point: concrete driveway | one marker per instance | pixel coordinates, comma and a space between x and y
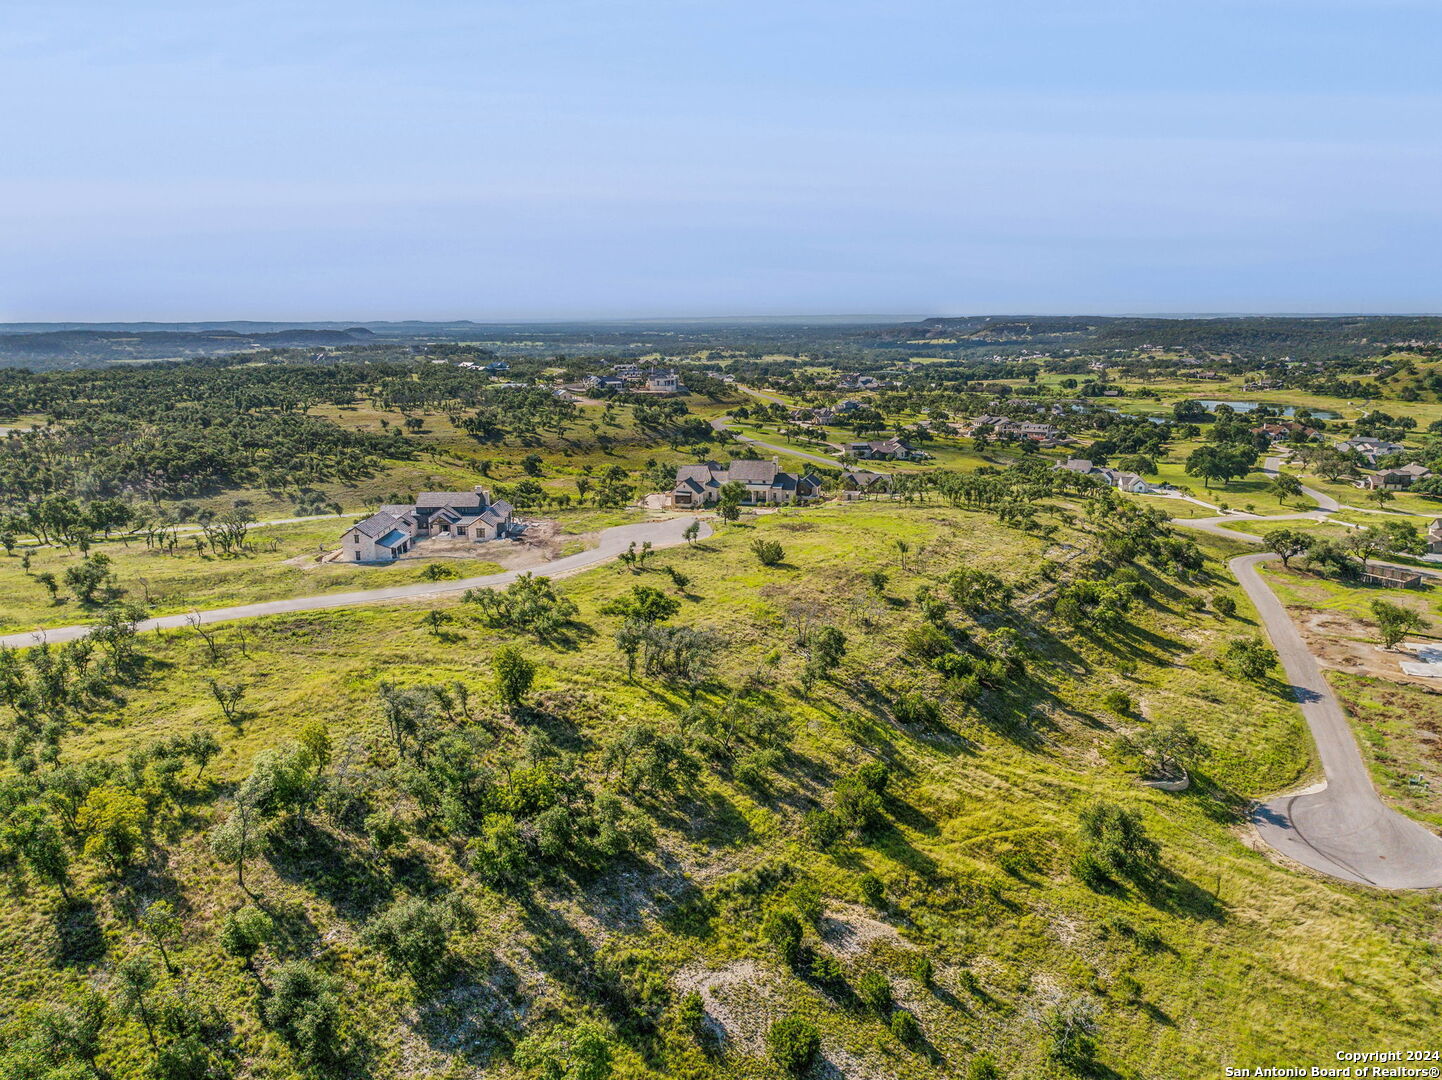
662, 534
1341, 828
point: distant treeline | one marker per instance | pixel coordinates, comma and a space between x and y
1248, 336
46, 348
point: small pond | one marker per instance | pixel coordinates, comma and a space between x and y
1247, 406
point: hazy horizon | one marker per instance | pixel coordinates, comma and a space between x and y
579, 160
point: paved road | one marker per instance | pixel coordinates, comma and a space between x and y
1342, 828
662, 534
722, 425
1217, 527
1273, 465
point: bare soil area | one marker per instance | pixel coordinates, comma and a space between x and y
1343, 642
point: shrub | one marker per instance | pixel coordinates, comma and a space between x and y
873, 889
983, 1067
529, 603
927, 641
439, 572
859, 807
1127, 988
916, 709
905, 1027
514, 674
923, 970
793, 1043
823, 829
1090, 871
691, 1013
1224, 605
1118, 702
644, 603
827, 970
827, 646
385, 828
954, 665
805, 899
1072, 1034
768, 552
1116, 842
966, 688
243, 932
571, 1051
782, 930
874, 775
304, 1010
754, 768
412, 934
967, 980
874, 990
1249, 658
498, 855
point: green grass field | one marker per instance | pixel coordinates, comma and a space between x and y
1231, 959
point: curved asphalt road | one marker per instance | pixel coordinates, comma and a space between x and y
1341, 828
662, 534
1273, 465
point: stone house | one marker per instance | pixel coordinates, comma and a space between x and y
396, 528
765, 482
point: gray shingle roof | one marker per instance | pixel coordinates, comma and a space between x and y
377, 525
752, 472
498, 513
436, 499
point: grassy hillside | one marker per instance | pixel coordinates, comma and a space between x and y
613, 864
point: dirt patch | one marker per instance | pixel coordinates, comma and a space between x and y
741, 1000
311, 558
1343, 642
851, 933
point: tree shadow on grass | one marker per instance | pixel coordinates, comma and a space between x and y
79, 938
473, 1014
892, 841
305, 854
905, 813
1168, 891
548, 718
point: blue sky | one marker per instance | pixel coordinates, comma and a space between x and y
168, 159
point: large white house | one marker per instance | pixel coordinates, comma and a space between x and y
1123, 481
396, 528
